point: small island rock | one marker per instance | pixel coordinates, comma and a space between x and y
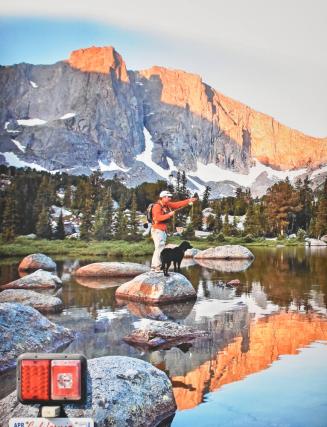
36, 262
111, 269
154, 287
226, 252
40, 279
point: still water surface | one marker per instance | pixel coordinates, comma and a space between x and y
265, 361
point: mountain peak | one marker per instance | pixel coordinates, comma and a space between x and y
99, 60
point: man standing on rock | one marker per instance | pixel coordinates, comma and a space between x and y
162, 211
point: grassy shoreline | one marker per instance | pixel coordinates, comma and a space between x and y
117, 248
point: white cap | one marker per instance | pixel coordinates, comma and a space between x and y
165, 194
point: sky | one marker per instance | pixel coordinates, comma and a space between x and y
270, 55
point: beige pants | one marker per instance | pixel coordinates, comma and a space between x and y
159, 238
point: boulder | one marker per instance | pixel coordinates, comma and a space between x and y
111, 269
226, 252
315, 242
23, 329
155, 334
40, 279
324, 238
154, 287
36, 262
227, 266
121, 391
41, 302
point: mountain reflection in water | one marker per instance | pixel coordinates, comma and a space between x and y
268, 338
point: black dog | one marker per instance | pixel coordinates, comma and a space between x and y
175, 255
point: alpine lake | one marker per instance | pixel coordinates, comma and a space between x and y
264, 362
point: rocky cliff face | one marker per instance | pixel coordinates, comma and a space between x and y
89, 112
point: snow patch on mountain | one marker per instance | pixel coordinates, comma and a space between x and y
67, 116
33, 84
146, 157
31, 122
13, 160
19, 145
111, 167
212, 172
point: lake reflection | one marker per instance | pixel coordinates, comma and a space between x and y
279, 308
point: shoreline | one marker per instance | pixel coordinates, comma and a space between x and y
120, 248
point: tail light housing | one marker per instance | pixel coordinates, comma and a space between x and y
51, 378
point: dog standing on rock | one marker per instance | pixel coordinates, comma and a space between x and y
175, 255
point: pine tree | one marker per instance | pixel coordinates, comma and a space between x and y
252, 223
67, 202
121, 221
321, 213
86, 223
218, 224
96, 182
196, 219
281, 201
226, 226
43, 226
205, 200
9, 222
60, 229
103, 223
132, 223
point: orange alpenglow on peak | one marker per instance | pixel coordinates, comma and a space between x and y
99, 60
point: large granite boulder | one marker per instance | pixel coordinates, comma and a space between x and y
225, 252
24, 329
36, 262
40, 279
41, 302
155, 334
154, 287
111, 269
121, 391
227, 266
190, 253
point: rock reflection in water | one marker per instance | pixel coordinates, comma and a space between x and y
158, 312
268, 338
100, 282
228, 266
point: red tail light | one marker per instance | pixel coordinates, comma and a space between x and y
51, 378
35, 379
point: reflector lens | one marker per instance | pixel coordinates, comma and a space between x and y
66, 379
35, 379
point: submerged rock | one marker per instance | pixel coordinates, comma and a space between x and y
41, 302
226, 252
111, 269
154, 287
99, 282
40, 279
156, 334
36, 262
121, 391
23, 329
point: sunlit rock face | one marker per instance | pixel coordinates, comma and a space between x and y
268, 338
90, 112
99, 60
